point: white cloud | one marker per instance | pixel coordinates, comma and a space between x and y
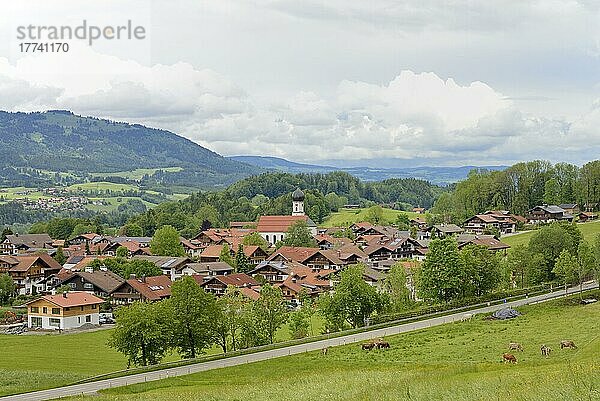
416, 116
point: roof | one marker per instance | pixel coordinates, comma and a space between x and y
86, 261
448, 228
70, 299
280, 224
106, 280
486, 218
250, 292
25, 262
295, 253
235, 280
152, 288
298, 195
203, 267
550, 208
568, 205
166, 262
489, 241
280, 266
29, 240
212, 251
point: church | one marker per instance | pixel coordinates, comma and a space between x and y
274, 228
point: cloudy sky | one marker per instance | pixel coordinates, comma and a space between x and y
379, 82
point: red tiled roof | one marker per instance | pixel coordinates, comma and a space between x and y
70, 299
237, 280
297, 254
277, 224
25, 262
251, 292
152, 288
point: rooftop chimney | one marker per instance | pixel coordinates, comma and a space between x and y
65, 294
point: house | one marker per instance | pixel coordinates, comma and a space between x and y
30, 272
15, 244
207, 269
98, 282
419, 222
302, 279
570, 208
547, 214
273, 272
69, 310
586, 216
218, 284
326, 241
133, 248
395, 249
491, 242
191, 249
82, 239
314, 258
418, 210
444, 230
274, 228
170, 265
154, 288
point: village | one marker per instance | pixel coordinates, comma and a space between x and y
73, 295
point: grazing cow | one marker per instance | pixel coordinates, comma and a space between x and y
367, 346
382, 344
324, 351
509, 358
515, 347
567, 344
545, 350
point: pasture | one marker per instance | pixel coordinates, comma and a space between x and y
458, 361
138, 173
345, 217
588, 230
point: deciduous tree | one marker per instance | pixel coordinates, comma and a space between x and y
166, 242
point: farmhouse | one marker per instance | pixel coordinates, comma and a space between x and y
63, 311
17, 244
547, 214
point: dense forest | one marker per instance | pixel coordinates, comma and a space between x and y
520, 188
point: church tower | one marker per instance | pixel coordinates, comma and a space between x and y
298, 203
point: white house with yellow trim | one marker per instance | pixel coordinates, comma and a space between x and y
65, 311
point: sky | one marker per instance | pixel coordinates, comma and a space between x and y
380, 83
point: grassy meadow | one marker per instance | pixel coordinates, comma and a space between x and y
345, 217
588, 230
458, 361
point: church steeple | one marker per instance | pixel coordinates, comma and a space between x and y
298, 203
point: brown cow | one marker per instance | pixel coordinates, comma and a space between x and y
382, 344
515, 347
545, 350
567, 344
367, 346
509, 358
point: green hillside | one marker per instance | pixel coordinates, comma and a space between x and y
588, 230
60, 141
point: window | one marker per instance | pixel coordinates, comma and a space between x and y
88, 286
36, 322
82, 308
94, 306
54, 322
44, 310
34, 309
78, 319
72, 285
56, 311
88, 318
67, 309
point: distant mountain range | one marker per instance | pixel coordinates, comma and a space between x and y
435, 175
60, 141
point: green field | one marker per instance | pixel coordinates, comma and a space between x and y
458, 361
588, 230
138, 173
345, 217
34, 362
102, 186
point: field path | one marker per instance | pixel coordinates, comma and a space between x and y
90, 388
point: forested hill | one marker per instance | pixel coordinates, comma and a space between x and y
270, 193
60, 141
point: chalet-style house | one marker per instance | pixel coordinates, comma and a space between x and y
502, 221
191, 249
547, 214
69, 310
218, 284
207, 269
314, 258
30, 271
444, 230
419, 210
396, 248
254, 253
25, 243
149, 289
326, 241
99, 282
586, 216
273, 272
491, 242
274, 228
570, 208
170, 265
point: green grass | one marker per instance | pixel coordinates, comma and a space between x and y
588, 230
345, 217
459, 361
138, 173
35, 362
102, 186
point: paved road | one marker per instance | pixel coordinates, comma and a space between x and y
90, 388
